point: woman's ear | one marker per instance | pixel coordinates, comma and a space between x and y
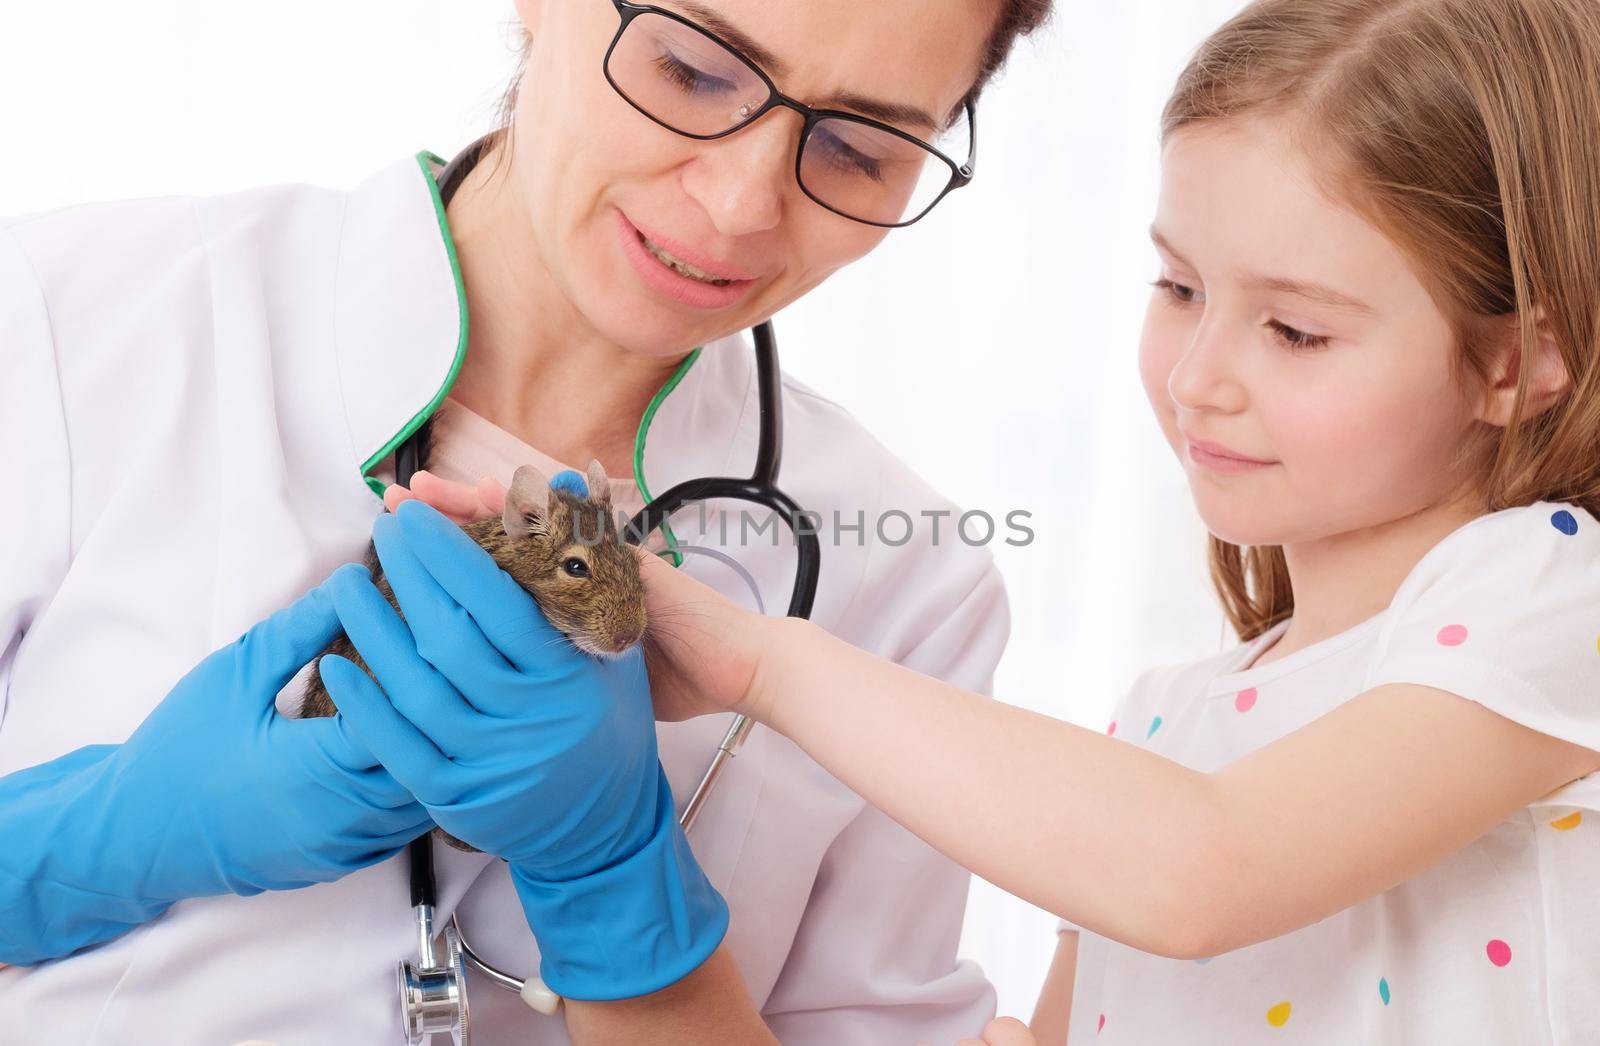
528, 12
1547, 378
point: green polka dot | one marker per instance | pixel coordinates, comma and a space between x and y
1383, 989
1155, 724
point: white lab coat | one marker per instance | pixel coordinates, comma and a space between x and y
193, 389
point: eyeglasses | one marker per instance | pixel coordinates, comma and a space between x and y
690, 81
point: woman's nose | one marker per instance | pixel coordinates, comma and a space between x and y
1206, 376
742, 180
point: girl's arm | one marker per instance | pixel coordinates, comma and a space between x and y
1052, 1015
1121, 841
1133, 846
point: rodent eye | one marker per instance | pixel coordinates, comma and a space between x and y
576, 567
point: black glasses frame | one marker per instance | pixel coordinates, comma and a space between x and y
960, 174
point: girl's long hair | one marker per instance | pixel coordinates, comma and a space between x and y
1469, 132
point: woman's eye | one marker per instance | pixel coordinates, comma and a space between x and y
688, 79
575, 567
843, 158
1296, 339
1179, 293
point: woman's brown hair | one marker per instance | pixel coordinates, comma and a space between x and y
1469, 132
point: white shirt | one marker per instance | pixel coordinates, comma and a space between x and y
200, 396
1496, 944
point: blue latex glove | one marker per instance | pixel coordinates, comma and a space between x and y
214, 793
527, 748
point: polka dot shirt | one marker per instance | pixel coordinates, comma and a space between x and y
1500, 943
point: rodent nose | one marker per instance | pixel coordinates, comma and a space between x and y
630, 633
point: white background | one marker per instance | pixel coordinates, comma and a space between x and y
993, 346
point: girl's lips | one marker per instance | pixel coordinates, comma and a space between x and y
669, 282
1207, 454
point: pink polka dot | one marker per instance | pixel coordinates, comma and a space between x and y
1452, 635
1245, 700
1112, 729
1499, 952
1102, 1026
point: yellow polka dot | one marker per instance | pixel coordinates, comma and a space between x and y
1569, 822
1278, 1016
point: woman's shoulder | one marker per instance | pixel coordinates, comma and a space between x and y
118, 247
917, 564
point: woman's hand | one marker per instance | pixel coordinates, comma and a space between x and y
703, 651
527, 748
214, 793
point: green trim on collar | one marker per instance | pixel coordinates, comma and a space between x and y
638, 447
424, 159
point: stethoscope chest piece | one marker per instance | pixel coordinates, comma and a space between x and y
434, 998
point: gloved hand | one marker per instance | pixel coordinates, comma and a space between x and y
213, 793
527, 748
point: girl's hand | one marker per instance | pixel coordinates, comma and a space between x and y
1005, 1031
702, 650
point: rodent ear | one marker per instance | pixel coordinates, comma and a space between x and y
527, 503
599, 485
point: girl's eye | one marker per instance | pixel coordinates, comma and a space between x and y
1295, 339
576, 567
1178, 293
688, 79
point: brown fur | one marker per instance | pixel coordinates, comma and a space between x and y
602, 614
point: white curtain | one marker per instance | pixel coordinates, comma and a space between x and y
993, 346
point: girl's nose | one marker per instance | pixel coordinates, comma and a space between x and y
1206, 375
742, 180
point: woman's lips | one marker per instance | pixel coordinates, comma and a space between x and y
1218, 458
646, 257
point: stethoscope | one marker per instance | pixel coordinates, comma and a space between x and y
433, 994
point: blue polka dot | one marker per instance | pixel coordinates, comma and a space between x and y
1203, 962
1383, 989
1565, 522
1155, 724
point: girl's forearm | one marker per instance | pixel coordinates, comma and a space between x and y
989, 785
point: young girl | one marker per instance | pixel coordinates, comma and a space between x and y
1375, 346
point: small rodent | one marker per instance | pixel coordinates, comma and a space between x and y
569, 555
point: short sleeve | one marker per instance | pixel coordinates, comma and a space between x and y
1505, 611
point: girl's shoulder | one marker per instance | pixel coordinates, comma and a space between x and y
1514, 543
1505, 611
